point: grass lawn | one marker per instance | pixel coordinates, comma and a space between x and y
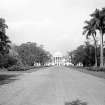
5, 79
10, 76
97, 74
94, 73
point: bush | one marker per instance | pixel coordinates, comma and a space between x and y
20, 68
96, 68
76, 102
11, 60
7, 61
16, 68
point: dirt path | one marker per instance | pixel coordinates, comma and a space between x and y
53, 86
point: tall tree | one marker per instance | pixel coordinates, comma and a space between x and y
99, 17
4, 40
30, 53
83, 54
90, 30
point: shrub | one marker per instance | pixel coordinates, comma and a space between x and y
11, 61
7, 61
20, 68
76, 102
96, 68
16, 68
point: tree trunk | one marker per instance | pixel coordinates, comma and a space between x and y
95, 54
95, 47
101, 49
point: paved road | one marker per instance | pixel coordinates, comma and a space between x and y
53, 86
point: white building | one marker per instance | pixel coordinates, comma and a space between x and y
58, 59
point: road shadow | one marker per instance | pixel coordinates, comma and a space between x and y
76, 102
6, 79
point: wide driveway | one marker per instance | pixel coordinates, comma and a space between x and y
53, 86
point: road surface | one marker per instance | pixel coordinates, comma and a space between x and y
53, 86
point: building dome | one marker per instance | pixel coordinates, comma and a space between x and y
57, 54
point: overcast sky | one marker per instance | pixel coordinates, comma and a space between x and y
57, 24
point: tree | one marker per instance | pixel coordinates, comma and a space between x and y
4, 40
83, 54
30, 53
99, 17
5, 59
44, 57
90, 30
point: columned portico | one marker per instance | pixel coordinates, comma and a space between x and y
58, 59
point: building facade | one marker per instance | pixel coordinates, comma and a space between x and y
58, 59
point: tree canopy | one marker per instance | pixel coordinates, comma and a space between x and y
97, 22
4, 39
83, 54
31, 53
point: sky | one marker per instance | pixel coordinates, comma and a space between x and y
55, 24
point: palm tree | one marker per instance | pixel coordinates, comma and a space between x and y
99, 18
89, 30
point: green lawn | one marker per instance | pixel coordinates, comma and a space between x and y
10, 76
5, 79
94, 73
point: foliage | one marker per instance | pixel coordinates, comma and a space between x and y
96, 69
31, 53
17, 68
83, 54
13, 53
7, 61
97, 23
89, 30
76, 102
21, 68
4, 40
99, 17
